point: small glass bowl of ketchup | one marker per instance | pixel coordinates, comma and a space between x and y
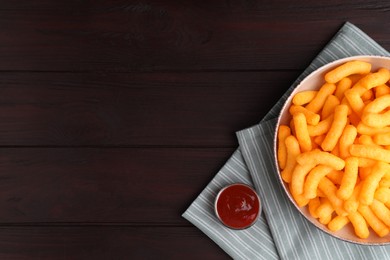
237, 206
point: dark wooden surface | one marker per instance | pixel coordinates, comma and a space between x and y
114, 115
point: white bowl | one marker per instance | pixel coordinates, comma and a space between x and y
313, 82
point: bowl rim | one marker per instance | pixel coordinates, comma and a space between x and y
286, 103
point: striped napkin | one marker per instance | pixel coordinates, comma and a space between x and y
281, 232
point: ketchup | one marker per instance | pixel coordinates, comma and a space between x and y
237, 206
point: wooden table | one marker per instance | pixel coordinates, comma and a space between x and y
114, 115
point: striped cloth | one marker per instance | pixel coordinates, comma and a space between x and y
281, 232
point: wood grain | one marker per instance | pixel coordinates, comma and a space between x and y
138, 109
115, 114
136, 186
94, 242
163, 35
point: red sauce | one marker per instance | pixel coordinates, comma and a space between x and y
238, 206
